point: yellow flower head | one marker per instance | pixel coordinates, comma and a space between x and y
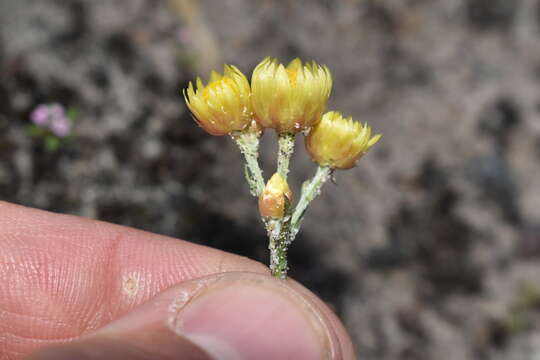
272, 199
224, 104
289, 99
339, 142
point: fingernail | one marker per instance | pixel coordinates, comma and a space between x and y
254, 317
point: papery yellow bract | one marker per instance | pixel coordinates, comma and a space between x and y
289, 99
224, 104
339, 142
272, 199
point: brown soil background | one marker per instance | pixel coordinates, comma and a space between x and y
428, 249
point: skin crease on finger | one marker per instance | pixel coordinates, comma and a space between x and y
63, 276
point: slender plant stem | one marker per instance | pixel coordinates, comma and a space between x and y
310, 189
278, 249
248, 142
286, 149
278, 229
278, 235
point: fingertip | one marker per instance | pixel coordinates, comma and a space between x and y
230, 316
243, 315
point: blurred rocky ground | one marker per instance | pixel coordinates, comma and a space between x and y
429, 249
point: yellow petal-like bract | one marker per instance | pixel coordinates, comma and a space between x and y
272, 199
289, 99
224, 104
339, 142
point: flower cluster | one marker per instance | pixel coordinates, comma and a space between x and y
290, 99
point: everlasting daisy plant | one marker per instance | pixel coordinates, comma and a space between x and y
291, 100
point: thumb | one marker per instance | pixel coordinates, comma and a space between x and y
223, 316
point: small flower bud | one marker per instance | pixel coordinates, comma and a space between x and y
339, 142
289, 99
273, 199
224, 104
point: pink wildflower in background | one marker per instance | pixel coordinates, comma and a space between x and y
52, 117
